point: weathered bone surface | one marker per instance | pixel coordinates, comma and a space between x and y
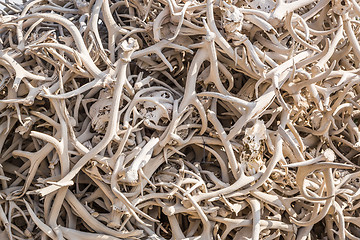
164, 119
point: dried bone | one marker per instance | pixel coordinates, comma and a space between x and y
230, 119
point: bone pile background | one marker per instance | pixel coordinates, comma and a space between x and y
174, 119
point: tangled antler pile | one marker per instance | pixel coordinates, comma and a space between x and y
163, 119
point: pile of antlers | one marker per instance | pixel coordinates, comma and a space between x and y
180, 119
